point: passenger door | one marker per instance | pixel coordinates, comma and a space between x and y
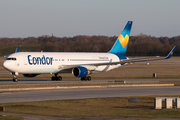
25, 60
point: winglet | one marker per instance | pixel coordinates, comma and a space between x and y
171, 52
17, 49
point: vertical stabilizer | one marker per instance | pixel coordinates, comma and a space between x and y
120, 46
17, 50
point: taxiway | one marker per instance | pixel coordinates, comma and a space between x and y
60, 94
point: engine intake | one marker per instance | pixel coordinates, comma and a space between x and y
80, 72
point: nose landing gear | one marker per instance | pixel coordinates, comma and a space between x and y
15, 79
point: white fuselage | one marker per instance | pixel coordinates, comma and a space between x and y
50, 62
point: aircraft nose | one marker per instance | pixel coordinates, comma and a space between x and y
6, 65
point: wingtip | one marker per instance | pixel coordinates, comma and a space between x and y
171, 52
17, 49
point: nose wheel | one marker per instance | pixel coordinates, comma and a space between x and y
15, 79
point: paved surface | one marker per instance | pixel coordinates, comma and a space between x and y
45, 81
59, 94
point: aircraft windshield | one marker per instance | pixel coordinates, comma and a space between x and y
11, 58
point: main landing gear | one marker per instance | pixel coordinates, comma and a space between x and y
56, 78
86, 78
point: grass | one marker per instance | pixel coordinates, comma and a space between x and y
11, 117
96, 107
176, 83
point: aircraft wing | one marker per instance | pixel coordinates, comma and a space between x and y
133, 60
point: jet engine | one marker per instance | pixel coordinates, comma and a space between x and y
80, 72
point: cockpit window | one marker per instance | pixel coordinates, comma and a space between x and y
11, 58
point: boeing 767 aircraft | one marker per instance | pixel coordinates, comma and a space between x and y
31, 64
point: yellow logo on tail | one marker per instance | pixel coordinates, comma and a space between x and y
123, 41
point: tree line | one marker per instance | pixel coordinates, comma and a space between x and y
140, 45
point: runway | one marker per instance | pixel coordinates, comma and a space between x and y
60, 94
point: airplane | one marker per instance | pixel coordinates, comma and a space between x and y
80, 64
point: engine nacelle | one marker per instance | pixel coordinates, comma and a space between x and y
80, 72
30, 75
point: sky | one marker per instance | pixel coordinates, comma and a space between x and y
68, 18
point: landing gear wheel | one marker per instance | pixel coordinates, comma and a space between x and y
86, 78
60, 78
15, 79
52, 78
56, 78
82, 78
89, 78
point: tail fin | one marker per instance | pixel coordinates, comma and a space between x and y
17, 49
121, 43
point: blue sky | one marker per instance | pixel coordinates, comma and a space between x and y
68, 18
